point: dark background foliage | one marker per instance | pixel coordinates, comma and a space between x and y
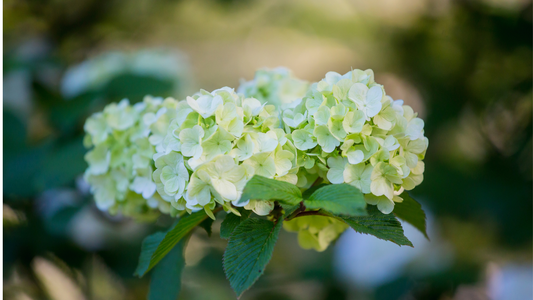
466, 66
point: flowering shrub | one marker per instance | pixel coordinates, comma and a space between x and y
317, 158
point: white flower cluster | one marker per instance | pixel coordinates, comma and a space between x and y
192, 154
209, 145
315, 232
120, 163
347, 130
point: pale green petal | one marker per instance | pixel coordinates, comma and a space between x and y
354, 121
336, 128
190, 141
306, 240
313, 103
385, 205
357, 93
381, 186
303, 140
355, 156
326, 139
341, 89
98, 160
225, 188
335, 174
244, 149
322, 115
263, 208
205, 105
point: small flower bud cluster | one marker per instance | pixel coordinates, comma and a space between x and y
315, 232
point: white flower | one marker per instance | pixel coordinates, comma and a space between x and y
264, 142
251, 107
415, 177
98, 160
390, 143
303, 140
359, 176
228, 118
383, 177
191, 139
353, 121
283, 161
261, 208
336, 169
412, 149
120, 116
384, 204
415, 126
336, 128
322, 115
293, 119
244, 149
174, 175
367, 100
385, 118
224, 175
199, 189
96, 126
205, 105
218, 143
325, 139
144, 186
263, 164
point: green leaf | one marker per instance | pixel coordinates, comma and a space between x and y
165, 283
157, 245
207, 224
411, 212
385, 227
339, 199
249, 250
312, 189
262, 188
231, 222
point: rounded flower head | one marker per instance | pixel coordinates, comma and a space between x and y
214, 143
120, 162
194, 154
354, 133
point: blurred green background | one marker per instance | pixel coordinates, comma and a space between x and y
465, 66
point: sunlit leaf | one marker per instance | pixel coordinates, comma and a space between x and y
262, 188
339, 199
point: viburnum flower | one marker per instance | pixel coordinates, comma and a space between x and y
214, 143
315, 232
354, 133
200, 152
120, 162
